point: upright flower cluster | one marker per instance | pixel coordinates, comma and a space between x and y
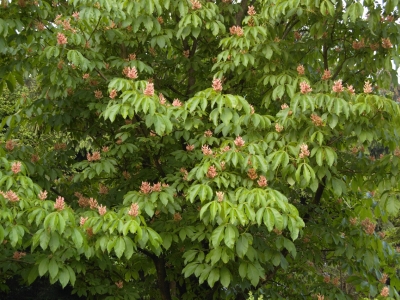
102, 210
208, 133
305, 88
304, 152
130, 72
10, 196
327, 74
162, 99
98, 94
146, 187
278, 127
42, 195
189, 148
337, 86
134, 210
149, 90
113, 93
300, 70
386, 43
220, 196
317, 120
239, 142
16, 167
195, 4
83, 220
212, 172
251, 11
252, 173
351, 89
176, 103
61, 39
368, 226
60, 204
367, 87
217, 85
385, 291
236, 30
10, 145
206, 150
262, 181
93, 157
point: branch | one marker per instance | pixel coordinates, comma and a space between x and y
320, 191
241, 12
288, 29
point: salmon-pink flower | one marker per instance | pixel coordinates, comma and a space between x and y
225, 149
18, 255
176, 103
385, 291
212, 172
304, 152
10, 145
156, 187
236, 30
60, 204
317, 120
149, 90
278, 127
93, 157
130, 72
208, 133
42, 195
134, 210
98, 94
189, 147
83, 220
386, 43
206, 150
262, 181
305, 87
239, 142
251, 11
76, 15
113, 94
10, 195
16, 167
162, 99
350, 89
102, 210
220, 196
337, 86
195, 4
217, 85
284, 106
86, 76
252, 173
327, 74
119, 284
93, 203
367, 87
300, 70
61, 39
145, 188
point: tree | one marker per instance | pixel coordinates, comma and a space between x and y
202, 149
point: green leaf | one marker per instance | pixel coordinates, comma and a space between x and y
225, 277
119, 246
63, 277
217, 235
53, 268
230, 236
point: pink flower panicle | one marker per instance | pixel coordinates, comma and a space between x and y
368, 226
239, 142
385, 291
300, 70
145, 188
217, 85
113, 93
156, 187
134, 210
337, 86
83, 220
327, 74
18, 255
76, 15
93, 203
251, 11
236, 30
220, 196
367, 87
284, 106
61, 39
162, 99
176, 103
98, 94
149, 90
130, 72
189, 147
386, 43
16, 167
350, 89
10, 196
252, 173
119, 284
206, 150
278, 127
208, 133
262, 181
86, 76
195, 4
42, 195
305, 87
212, 172
10, 145
317, 120
60, 204
225, 149
93, 157
304, 152
102, 210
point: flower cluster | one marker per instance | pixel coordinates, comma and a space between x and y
60, 146
337, 86
177, 217
217, 85
102, 210
251, 11
83, 220
134, 210
278, 127
146, 187
212, 172
317, 120
220, 196
195, 4
10, 196
61, 39
385, 291
93, 157
386, 43
176, 103
304, 152
132, 56
305, 87
368, 226
208, 133
189, 147
113, 93
351, 89
184, 172
262, 181
358, 45
16, 167
42, 195
367, 87
236, 30
10, 145
149, 90
252, 173
18, 255
206, 150
239, 142
327, 74
300, 70
130, 72
60, 204
162, 99
103, 190
384, 278
297, 35
98, 94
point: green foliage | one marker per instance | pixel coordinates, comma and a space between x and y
200, 191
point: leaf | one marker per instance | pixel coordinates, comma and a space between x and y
43, 266
230, 236
63, 277
53, 268
217, 235
119, 246
213, 277
242, 245
225, 277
